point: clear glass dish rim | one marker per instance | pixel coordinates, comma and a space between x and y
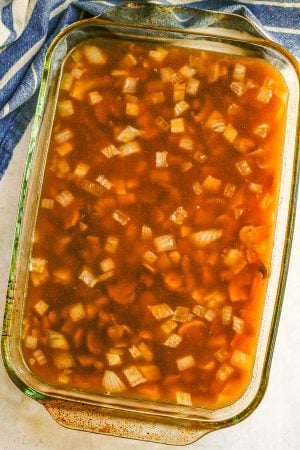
183, 414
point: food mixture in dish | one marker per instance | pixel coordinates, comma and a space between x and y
154, 232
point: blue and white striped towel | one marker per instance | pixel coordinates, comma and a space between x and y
28, 26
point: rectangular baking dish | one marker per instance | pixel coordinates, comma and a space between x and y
148, 420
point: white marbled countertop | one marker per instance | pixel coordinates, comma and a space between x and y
275, 425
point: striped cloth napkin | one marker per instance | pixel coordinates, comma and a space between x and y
27, 27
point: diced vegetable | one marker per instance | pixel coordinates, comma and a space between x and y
120, 217
216, 122
40, 357
222, 354
241, 360
186, 362
66, 82
262, 130
159, 54
107, 265
165, 243
181, 107
104, 182
129, 148
128, 134
77, 312
81, 170
162, 123
146, 233
227, 315
192, 87
197, 188
206, 237
110, 151
211, 184
62, 136
88, 278
209, 315
94, 97
132, 109
134, 376
112, 382
41, 307
37, 265
130, 85
238, 325
179, 89
264, 95
63, 360
243, 168
111, 244
255, 188
239, 72
31, 342
166, 74
92, 188
57, 340
229, 190
181, 314
94, 55
168, 326
177, 79
238, 88
186, 143
113, 359
64, 149
179, 215
184, 398
150, 372
200, 157
161, 159
224, 373
177, 125
65, 108
161, 311
230, 133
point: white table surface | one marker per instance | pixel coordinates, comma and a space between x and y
275, 425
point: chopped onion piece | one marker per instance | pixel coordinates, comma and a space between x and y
107, 265
234, 259
47, 203
256, 188
37, 265
179, 215
161, 311
177, 125
112, 383
161, 159
184, 398
57, 340
165, 243
113, 359
227, 315
206, 237
77, 312
110, 151
197, 188
105, 276
94, 97
134, 351
239, 72
230, 133
132, 109
216, 122
130, 85
211, 184
66, 82
166, 74
150, 372
92, 188
41, 307
120, 217
159, 54
128, 134
186, 143
65, 108
238, 88
176, 79
94, 55
157, 98
264, 95
181, 314
145, 351
173, 341
162, 123
192, 86
39, 357
31, 342
129, 148
199, 310
209, 315
200, 157
241, 360
168, 326
146, 232
104, 182
187, 71
150, 257
238, 325
179, 92
221, 355
129, 60
185, 166
81, 170
243, 168
181, 107
262, 130
64, 149
233, 109
186, 362
229, 190
88, 278
111, 244
119, 73
224, 373
62, 136
134, 376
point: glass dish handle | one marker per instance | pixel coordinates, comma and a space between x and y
145, 427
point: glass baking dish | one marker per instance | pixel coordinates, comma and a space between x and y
149, 420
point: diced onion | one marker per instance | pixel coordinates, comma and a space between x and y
66, 82
165, 243
166, 74
161, 311
134, 376
221, 355
162, 123
62, 136
262, 130
81, 170
157, 98
185, 166
65, 108
179, 215
111, 244
197, 188
241, 360
181, 314
64, 149
47, 203
31, 342
186, 362
146, 232
37, 265
159, 54
112, 383
150, 372
186, 143
181, 107
199, 310
150, 257
264, 95
94, 97
132, 109
104, 182
129, 60
173, 341
177, 125
119, 73
239, 72
94, 55
227, 315
92, 188
77, 72
192, 87
238, 324
105, 276
255, 187
41, 307
209, 315
39, 357
128, 134
224, 373
206, 237
107, 265
168, 326
176, 79
129, 148
229, 190
77, 312
238, 88
230, 133
110, 151
120, 217
179, 91
243, 168
113, 359
145, 351
161, 159
130, 85
216, 122
184, 398
187, 71
57, 340
200, 157
211, 184
88, 278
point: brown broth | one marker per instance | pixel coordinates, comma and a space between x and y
212, 198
